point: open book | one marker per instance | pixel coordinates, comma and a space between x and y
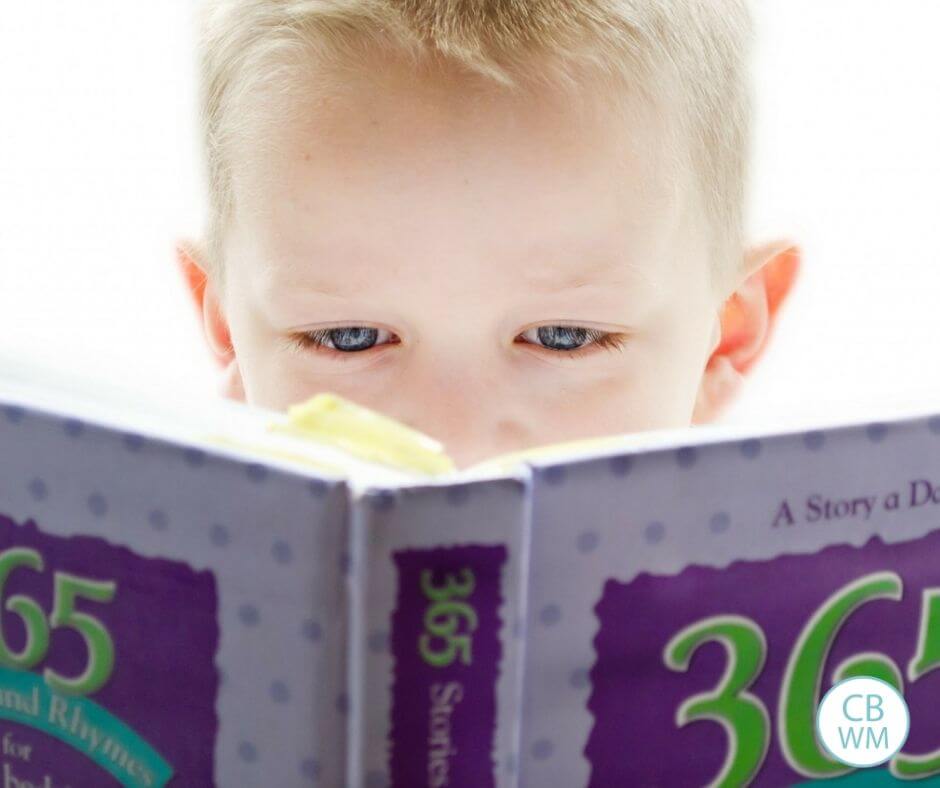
205, 593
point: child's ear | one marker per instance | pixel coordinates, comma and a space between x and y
745, 324
191, 262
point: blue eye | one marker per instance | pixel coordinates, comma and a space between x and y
346, 339
561, 337
569, 339
349, 340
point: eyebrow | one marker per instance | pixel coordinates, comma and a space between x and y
598, 266
605, 270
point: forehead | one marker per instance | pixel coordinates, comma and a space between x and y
405, 164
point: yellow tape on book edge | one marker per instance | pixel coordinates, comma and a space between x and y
364, 433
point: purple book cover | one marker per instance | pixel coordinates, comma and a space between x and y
445, 641
107, 671
716, 674
169, 614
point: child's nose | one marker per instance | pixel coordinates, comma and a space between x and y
473, 414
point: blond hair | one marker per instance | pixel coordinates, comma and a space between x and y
694, 49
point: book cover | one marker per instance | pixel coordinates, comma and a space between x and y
652, 610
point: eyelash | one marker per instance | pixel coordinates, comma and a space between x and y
599, 340
318, 338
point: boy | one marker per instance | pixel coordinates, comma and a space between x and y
505, 224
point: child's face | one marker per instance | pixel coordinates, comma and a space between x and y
495, 271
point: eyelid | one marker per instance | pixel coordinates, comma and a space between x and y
337, 324
603, 328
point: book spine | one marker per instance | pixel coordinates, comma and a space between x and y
435, 652
355, 627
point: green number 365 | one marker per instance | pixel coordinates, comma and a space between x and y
67, 589
745, 718
443, 619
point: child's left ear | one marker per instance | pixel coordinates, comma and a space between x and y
747, 320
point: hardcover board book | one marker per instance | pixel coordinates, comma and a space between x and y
203, 593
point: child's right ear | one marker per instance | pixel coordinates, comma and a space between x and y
191, 262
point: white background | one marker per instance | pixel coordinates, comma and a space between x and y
100, 172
